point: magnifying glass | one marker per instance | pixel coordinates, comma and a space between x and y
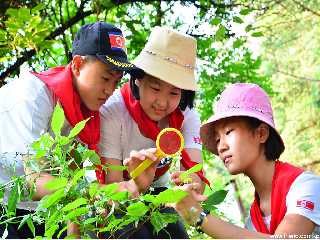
170, 143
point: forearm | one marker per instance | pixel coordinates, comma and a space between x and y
39, 180
219, 228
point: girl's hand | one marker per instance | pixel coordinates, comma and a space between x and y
144, 180
189, 207
175, 177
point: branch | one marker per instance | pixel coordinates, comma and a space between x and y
298, 77
30, 53
305, 8
315, 162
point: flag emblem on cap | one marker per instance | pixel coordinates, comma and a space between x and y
116, 41
305, 204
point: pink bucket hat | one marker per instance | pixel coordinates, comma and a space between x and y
239, 99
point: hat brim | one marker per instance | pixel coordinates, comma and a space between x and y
121, 64
172, 73
207, 129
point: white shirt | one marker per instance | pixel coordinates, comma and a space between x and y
26, 106
303, 198
120, 133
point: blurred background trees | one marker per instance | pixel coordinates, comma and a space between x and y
269, 42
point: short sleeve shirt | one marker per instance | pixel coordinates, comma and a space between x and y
303, 198
26, 107
120, 134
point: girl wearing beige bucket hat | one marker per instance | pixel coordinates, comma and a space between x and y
242, 132
162, 96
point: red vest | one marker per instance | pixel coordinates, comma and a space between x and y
59, 81
283, 177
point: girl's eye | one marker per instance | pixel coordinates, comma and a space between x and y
229, 131
217, 140
174, 93
105, 79
155, 89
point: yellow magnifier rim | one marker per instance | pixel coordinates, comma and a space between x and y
159, 153
164, 131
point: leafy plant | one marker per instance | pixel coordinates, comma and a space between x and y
94, 207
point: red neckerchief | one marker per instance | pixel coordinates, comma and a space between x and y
59, 81
283, 177
149, 128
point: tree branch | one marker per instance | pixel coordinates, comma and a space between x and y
298, 77
30, 53
305, 8
315, 162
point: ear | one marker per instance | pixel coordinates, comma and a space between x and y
76, 64
137, 82
263, 132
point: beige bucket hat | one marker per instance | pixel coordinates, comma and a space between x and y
171, 57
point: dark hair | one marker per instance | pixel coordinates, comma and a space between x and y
187, 96
273, 145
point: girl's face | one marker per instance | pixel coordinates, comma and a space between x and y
240, 147
157, 98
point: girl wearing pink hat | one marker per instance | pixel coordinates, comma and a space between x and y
242, 133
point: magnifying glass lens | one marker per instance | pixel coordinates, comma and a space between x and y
170, 142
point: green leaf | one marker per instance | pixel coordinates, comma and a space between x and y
2, 190
76, 203
62, 140
137, 209
13, 199
221, 33
161, 220
170, 196
92, 156
56, 183
3, 35
37, 8
248, 28
51, 230
117, 167
148, 198
77, 157
245, 11
237, 43
215, 21
237, 19
78, 128
194, 169
79, 174
257, 34
57, 120
109, 189
93, 188
76, 213
120, 196
114, 223
31, 226
49, 200
12, 12
24, 220
214, 199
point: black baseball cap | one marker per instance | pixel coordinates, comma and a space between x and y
107, 43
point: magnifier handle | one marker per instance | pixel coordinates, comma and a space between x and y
143, 166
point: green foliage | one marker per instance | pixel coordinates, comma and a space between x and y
88, 204
223, 58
